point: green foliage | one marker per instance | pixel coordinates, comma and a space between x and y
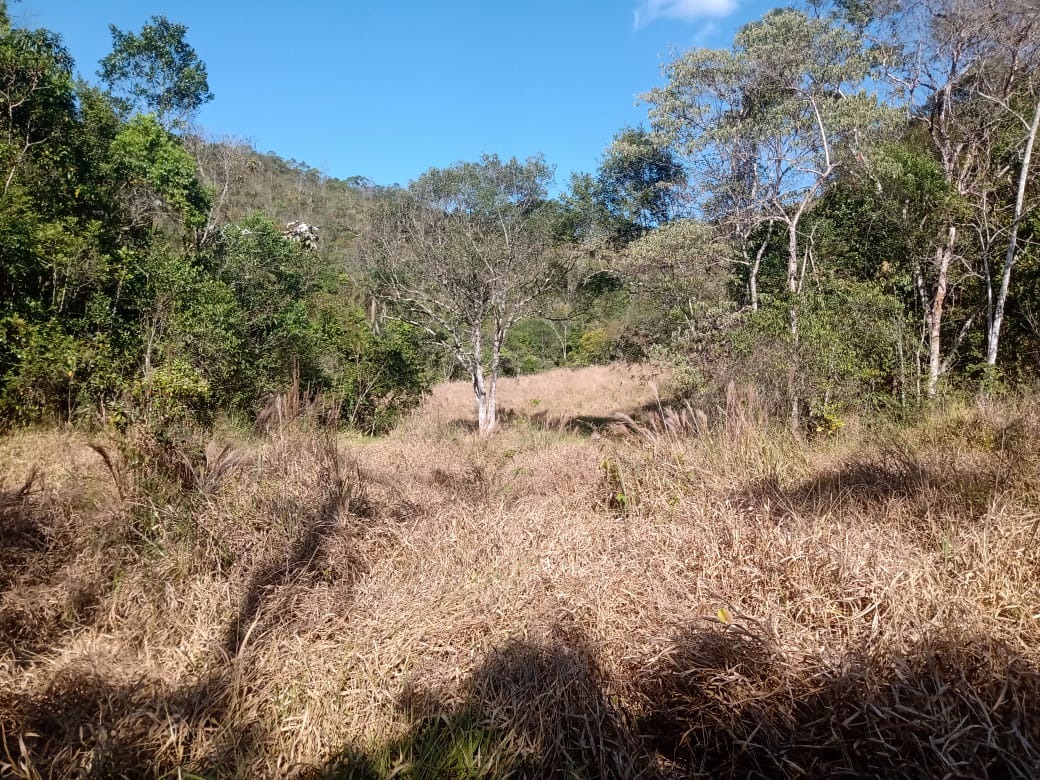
245, 182
463, 746
878, 226
156, 70
532, 345
580, 217
465, 251
156, 175
1021, 358
639, 184
594, 346
144, 280
113, 309
36, 102
489, 189
851, 349
375, 376
172, 392
824, 420
47, 360
678, 275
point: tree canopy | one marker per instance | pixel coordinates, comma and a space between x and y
463, 249
156, 70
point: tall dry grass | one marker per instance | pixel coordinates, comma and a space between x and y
578, 595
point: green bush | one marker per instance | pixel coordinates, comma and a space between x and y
593, 347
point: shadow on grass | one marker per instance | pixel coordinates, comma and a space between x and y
42, 598
719, 700
530, 710
727, 703
84, 725
344, 508
581, 424
889, 478
306, 562
29, 533
722, 701
89, 724
562, 422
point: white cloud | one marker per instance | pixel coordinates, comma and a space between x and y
684, 10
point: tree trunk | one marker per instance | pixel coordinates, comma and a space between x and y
491, 419
755, 265
485, 401
943, 257
793, 291
496, 363
993, 336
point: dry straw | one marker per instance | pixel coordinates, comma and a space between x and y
435, 604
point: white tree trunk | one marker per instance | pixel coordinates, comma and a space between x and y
496, 362
993, 336
491, 419
485, 383
485, 401
793, 291
943, 257
754, 267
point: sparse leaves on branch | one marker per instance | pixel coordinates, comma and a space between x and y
463, 253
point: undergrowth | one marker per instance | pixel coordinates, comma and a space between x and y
656, 593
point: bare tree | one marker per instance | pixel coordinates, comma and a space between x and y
463, 254
223, 166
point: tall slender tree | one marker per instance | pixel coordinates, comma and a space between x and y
964, 71
768, 123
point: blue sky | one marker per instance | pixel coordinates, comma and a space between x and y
388, 88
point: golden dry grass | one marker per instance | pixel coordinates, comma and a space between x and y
541, 603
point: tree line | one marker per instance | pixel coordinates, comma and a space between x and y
840, 208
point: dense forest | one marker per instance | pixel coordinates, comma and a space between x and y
719, 460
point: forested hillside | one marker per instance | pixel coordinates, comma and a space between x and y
145, 276
719, 460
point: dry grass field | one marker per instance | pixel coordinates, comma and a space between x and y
676, 594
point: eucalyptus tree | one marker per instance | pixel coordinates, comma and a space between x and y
766, 125
463, 253
768, 122
1009, 82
